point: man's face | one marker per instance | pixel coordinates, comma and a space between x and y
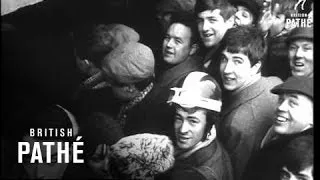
305, 174
243, 16
189, 126
301, 57
294, 113
235, 70
44, 170
212, 27
176, 45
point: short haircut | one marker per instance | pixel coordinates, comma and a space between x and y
247, 40
298, 155
286, 7
227, 10
189, 21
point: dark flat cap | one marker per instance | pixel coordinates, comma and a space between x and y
300, 85
300, 33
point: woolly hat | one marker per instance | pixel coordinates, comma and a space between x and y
142, 156
198, 90
300, 33
105, 38
129, 63
300, 85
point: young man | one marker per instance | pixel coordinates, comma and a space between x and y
248, 105
298, 159
300, 51
248, 12
214, 18
198, 154
294, 118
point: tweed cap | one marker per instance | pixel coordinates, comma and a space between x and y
300, 85
105, 38
300, 33
129, 63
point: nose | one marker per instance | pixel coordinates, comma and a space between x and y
299, 52
170, 43
205, 26
184, 128
228, 68
283, 106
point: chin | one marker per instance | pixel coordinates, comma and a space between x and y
281, 130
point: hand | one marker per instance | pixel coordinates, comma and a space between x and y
268, 17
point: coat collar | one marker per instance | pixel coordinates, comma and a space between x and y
203, 154
234, 100
192, 63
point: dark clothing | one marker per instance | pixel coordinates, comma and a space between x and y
213, 69
246, 117
266, 164
277, 61
153, 114
209, 163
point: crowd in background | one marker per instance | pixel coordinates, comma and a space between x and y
211, 89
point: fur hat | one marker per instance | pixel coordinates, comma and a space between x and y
142, 156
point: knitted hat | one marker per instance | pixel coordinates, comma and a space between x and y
300, 85
129, 63
252, 5
105, 38
198, 90
300, 33
142, 156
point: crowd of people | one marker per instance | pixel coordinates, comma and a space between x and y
227, 96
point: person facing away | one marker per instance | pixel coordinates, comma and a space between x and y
293, 119
214, 18
198, 153
248, 105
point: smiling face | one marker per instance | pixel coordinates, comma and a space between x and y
189, 126
212, 27
301, 58
243, 16
294, 113
176, 45
236, 70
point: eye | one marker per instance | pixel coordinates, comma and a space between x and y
237, 61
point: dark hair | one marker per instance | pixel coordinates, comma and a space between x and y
212, 117
188, 20
227, 10
298, 155
286, 6
247, 40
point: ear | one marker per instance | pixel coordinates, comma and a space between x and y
256, 68
194, 49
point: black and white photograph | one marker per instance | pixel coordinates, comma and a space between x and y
157, 89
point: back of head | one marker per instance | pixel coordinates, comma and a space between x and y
129, 63
299, 155
247, 40
227, 10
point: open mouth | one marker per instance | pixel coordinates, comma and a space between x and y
281, 119
183, 139
298, 64
207, 35
168, 53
